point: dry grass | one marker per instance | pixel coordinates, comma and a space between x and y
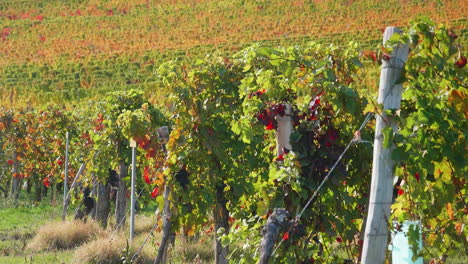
144, 224
64, 235
96, 246
200, 251
110, 250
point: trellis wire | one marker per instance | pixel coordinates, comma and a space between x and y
312, 198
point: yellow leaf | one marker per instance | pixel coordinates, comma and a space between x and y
431, 238
191, 231
369, 108
459, 228
448, 206
159, 180
459, 100
442, 172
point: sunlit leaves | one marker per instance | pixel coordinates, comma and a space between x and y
431, 142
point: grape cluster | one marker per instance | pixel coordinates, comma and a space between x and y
267, 116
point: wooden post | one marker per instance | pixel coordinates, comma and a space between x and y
132, 197
65, 181
15, 180
376, 233
121, 199
103, 203
277, 220
163, 134
167, 225
221, 221
67, 196
284, 131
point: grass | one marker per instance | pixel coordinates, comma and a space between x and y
64, 235
27, 217
49, 257
18, 245
46, 239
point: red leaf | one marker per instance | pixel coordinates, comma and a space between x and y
10, 162
280, 158
285, 236
416, 175
270, 126
461, 62
400, 192
317, 101
46, 182
155, 192
146, 175
339, 240
151, 153
386, 57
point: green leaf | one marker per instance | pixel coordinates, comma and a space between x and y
264, 51
235, 127
400, 154
387, 133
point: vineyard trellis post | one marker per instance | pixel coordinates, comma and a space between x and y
163, 134
132, 191
15, 180
277, 220
390, 90
65, 181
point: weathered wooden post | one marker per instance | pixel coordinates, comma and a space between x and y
15, 180
163, 133
121, 199
376, 232
277, 219
132, 191
65, 180
167, 225
284, 130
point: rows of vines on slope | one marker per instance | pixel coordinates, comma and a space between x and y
221, 155
56, 31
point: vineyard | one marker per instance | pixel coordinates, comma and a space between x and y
81, 49
232, 143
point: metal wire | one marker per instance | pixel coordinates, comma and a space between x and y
314, 195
